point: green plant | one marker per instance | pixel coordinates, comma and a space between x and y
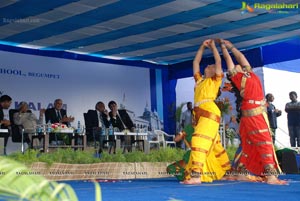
86, 157
117, 157
28, 156
18, 182
58, 156
70, 156
231, 152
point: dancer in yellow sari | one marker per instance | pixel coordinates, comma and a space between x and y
208, 159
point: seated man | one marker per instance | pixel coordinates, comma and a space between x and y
121, 120
57, 115
99, 120
29, 122
5, 102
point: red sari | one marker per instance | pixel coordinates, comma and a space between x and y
258, 155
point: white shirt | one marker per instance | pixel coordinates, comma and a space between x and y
187, 117
99, 118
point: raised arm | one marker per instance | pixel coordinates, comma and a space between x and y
241, 59
227, 57
198, 57
217, 57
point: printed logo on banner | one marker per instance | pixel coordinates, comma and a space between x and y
34, 106
280, 8
37, 106
18, 72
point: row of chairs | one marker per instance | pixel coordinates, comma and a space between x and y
160, 138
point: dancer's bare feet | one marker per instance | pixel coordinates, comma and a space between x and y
229, 177
249, 178
192, 181
273, 180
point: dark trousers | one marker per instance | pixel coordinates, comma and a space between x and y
294, 132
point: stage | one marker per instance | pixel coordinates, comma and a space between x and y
168, 189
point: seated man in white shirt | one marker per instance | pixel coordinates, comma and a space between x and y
28, 120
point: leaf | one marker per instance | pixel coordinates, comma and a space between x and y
98, 192
14, 185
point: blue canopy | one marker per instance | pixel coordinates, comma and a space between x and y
162, 35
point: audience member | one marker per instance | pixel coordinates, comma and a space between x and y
29, 121
273, 113
293, 115
5, 102
57, 114
99, 120
120, 119
187, 116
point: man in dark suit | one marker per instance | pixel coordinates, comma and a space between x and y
57, 114
5, 102
99, 116
121, 120
98, 120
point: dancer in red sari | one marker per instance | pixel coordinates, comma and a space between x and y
258, 156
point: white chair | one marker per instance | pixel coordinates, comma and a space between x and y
162, 136
222, 133
153, 139
156, 139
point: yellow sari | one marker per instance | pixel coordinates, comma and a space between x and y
208, 157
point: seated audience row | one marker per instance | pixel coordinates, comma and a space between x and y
97, 120
117, 118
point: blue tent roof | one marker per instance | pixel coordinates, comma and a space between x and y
161, 32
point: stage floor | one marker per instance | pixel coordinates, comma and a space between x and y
168, 189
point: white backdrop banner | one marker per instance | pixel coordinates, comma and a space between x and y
39, 80
280, 83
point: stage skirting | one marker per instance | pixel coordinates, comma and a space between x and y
61, 171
